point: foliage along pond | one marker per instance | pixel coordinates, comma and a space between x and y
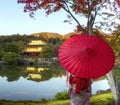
35, 83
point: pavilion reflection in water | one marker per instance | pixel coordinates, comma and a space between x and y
34, 73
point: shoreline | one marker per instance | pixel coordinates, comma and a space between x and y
97, 99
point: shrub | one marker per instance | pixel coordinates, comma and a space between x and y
62, 95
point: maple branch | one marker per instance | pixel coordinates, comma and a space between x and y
107, 21
96, 11
91, 16
67, 1
68, 11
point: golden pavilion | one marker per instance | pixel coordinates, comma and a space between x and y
34, 47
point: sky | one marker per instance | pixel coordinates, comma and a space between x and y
14, 21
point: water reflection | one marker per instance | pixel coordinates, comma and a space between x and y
35, 83
23, 89
31, 73
100, 85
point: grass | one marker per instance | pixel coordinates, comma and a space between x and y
47, 102
100, 99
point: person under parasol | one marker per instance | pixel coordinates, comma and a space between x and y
84, 57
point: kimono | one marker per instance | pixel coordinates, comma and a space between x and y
79, 95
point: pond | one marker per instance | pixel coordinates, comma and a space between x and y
35, 83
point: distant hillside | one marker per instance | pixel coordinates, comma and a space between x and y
40, 35
47, 35
66, 36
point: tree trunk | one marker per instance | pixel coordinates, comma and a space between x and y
114, 87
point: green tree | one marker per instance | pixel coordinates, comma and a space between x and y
11, 47
11, 58
47, 52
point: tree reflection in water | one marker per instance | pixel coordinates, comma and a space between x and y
37, 74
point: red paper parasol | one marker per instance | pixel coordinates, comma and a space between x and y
86, 56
